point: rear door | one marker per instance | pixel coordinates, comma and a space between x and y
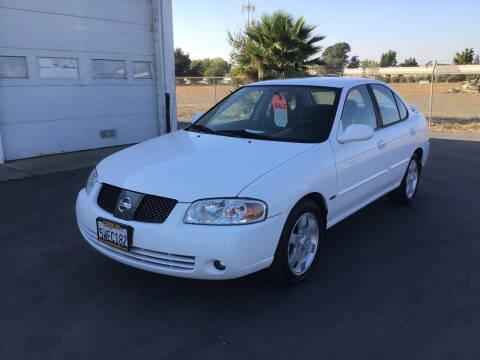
397, 131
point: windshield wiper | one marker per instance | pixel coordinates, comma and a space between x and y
201, 128
244, 134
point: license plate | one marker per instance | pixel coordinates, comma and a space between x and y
114, 234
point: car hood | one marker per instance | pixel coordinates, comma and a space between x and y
187, 166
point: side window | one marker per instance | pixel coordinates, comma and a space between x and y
358, 108
386, 103
401, 108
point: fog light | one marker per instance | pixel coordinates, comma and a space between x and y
219, 265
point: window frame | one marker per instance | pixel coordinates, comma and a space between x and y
377, 107
374, 104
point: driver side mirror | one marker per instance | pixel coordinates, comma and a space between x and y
196, 117
356, 132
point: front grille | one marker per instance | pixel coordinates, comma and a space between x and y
108, 196
152, 209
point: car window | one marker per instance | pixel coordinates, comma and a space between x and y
401, 108
386, 103
274, 112
358, 108
323, 97
241, 109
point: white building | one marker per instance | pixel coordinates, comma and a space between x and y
84, 74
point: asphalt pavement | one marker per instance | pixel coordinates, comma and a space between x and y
394, 283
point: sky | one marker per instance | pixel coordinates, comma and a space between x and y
424, 29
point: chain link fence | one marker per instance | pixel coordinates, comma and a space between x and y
448, 96
198, 94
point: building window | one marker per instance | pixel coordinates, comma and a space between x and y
58, 68
13, 67
142, 69
109, 69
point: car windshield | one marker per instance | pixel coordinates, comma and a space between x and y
279, 113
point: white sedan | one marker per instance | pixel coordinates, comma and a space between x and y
255, 182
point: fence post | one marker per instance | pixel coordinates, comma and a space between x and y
215, 86
431, 93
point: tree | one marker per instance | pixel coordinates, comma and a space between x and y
217, 67
389, 58
476, 60
463, 58
367, 63
238, 42
354, 62
335, 57
196, 68
411, 61
182, 62
209, 67
277, 46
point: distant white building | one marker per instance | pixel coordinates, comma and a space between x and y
84, 74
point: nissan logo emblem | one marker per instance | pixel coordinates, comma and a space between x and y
125, 204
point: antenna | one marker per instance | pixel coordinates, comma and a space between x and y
249, 8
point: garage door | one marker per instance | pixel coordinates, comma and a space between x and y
75, 75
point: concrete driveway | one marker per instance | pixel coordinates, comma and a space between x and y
394, 283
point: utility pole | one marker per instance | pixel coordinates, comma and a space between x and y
249, 8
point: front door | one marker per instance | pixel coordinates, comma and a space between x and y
360, 167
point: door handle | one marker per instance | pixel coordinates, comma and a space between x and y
382, 144
413, 131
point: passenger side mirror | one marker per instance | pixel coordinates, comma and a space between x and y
196, 117
356, 132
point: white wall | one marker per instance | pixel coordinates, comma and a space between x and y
39, 116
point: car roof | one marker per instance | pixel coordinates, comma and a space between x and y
337, 82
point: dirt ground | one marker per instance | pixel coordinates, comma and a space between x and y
448, 106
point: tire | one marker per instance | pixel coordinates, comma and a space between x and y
407, 190
296, 245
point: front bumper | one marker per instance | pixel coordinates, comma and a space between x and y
184, 250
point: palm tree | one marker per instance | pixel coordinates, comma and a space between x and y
277, 46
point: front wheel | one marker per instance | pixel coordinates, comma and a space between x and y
298, 247
407, 190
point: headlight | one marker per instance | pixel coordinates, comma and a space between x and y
91, 181
226, 212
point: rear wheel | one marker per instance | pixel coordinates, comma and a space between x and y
297, 251
407, 190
